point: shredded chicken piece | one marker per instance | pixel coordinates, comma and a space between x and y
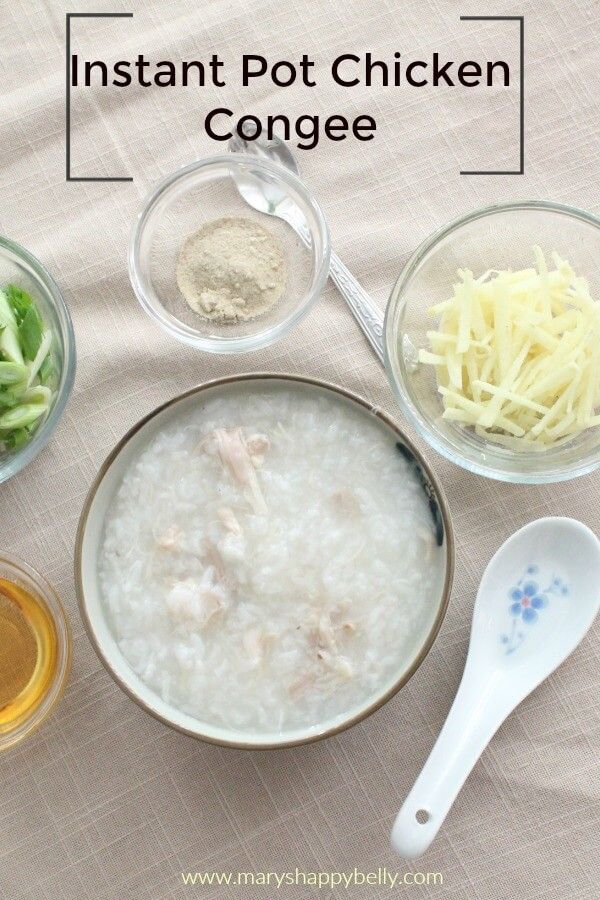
217, 556
255, 644
337, 663
228, 519
235, 457
207, 444
337, 613
232, 548
325, 628
195, 602
171, 538
211, 552
298, 688
346, 503
325, 633
257, 446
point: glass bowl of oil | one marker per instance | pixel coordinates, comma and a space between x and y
35, 650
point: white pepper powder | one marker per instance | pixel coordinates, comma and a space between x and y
231, 270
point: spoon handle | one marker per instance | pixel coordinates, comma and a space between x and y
476, 714
364, 310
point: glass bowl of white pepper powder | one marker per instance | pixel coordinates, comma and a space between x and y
216, 273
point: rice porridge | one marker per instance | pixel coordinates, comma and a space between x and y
270, 560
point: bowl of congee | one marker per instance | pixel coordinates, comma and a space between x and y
264, 561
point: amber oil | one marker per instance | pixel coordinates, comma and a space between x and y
28, 653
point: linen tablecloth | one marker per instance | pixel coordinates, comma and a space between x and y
105, 802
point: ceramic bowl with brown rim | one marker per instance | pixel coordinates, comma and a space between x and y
91, 535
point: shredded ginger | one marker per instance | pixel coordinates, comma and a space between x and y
517, 354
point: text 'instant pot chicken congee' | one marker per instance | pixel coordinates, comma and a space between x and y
270, 561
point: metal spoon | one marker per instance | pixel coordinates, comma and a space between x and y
538, 597
268, 198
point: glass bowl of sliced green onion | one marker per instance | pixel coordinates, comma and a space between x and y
37, 357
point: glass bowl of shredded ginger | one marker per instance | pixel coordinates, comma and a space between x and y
37, 357
492, 341
216, 273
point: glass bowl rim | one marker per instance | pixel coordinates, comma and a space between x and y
16, 462
64, 637
408, 407
169, 323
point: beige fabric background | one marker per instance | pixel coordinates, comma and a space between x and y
104, 802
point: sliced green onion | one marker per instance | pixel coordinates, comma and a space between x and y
7, 316
17, 438
47, 371
10, 398
40, 356
21, 416
38, 394
13, 373
9, 345
27, 369
30, 333
19, 301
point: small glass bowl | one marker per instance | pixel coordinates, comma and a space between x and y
15, 570
496, 237
191, 197
18, 266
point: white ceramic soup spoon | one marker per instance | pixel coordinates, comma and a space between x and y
266, 197
538, 596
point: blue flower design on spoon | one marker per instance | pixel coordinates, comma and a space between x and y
527, 601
